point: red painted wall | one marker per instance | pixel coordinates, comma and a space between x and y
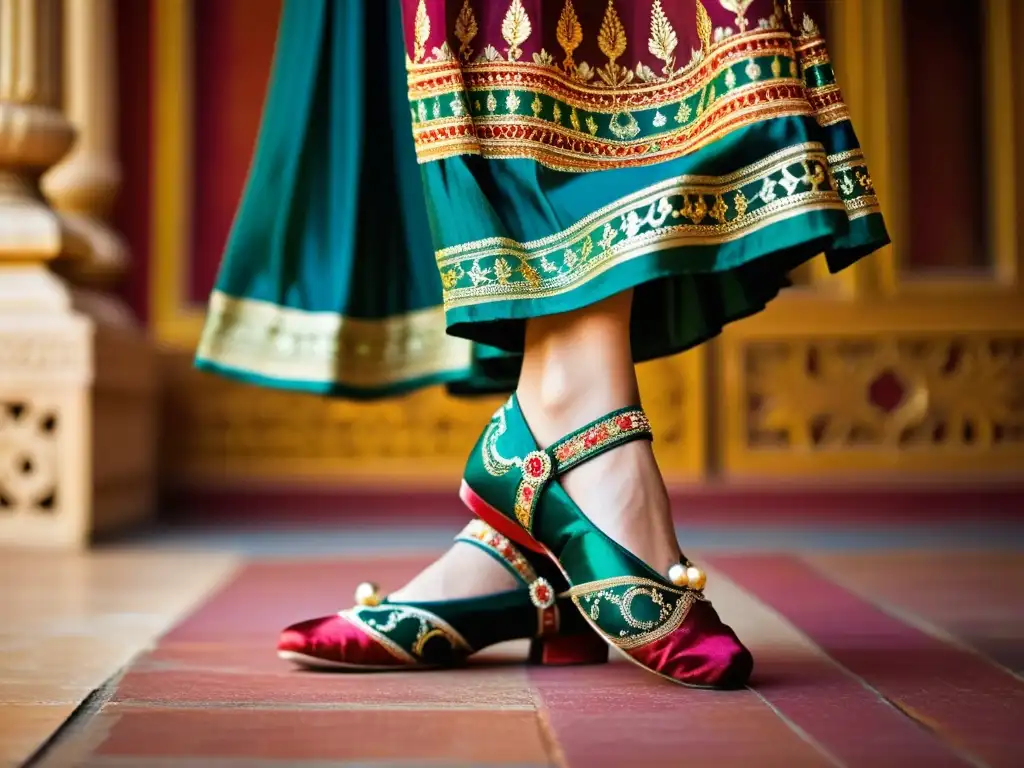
234, 52
234, 47
131, 212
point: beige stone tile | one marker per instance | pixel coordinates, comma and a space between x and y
72, 621
25, 727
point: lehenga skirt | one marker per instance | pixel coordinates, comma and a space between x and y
430, 174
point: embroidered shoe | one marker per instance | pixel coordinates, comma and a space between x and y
662, 622
378, 635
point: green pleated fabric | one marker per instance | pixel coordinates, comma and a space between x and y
328, 283
427, 178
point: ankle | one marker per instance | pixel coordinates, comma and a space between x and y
562, 395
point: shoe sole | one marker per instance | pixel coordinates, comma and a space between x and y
510, 530
312, 662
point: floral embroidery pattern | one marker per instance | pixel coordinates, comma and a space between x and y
672, 213
572, 115
579, 447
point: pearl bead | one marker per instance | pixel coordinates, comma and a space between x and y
678, 575
367, 594
696, 577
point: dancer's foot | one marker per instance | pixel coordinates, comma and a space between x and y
463, 571
622, 492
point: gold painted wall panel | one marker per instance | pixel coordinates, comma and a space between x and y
216, 430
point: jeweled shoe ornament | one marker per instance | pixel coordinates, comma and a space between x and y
368, 594
665, 624
379, 635
687, 575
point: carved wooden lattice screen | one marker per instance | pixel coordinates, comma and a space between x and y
914, 360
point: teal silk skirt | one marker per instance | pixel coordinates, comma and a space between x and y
430, 174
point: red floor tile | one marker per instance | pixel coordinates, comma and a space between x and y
619, 715
972, 704
479, 738
265, 597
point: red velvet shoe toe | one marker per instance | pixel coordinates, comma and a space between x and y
334, 642
702, 652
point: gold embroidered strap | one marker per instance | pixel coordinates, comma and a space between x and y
604, 434
542, 594
538, 467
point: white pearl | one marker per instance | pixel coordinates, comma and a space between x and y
696, 577
367, 594
678, 575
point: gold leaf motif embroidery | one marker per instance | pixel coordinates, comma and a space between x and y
663, 40
556, 113
465, 30
449, 279
537, 106
529, 273
502, 270
719, 210
543, 58
776, 67
645, 74
704, 27
591, 125
740, 203
569, 34
739, 7
492, 103
516, 29
512, 102
683, 115
808, 27
574, 119
420, 31
611, 39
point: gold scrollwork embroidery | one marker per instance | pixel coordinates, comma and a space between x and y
673, 606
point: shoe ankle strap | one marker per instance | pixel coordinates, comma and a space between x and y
481, 535
603, 434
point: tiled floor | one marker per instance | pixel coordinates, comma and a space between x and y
866, 655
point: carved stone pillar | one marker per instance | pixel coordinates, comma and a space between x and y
75, 445
84, 185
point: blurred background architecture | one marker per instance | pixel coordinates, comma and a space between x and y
907, 369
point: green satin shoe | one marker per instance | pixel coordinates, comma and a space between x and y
379, 635
661, 622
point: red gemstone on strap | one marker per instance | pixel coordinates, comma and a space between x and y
527, 493
624, 422
594, 436
535, 467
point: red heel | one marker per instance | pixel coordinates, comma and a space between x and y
498, 521
565, 650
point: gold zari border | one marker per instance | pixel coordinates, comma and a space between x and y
268, 340
484, 270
